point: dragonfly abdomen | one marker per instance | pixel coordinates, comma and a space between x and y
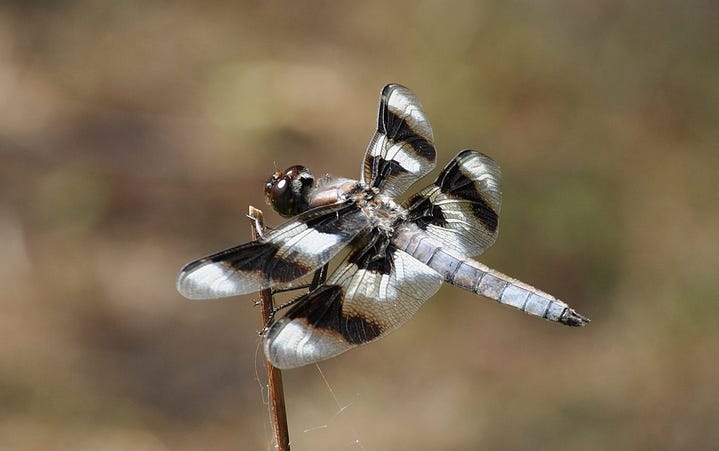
464, 272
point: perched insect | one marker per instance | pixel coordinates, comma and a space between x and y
399, 254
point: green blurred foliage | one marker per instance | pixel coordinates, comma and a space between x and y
133, 136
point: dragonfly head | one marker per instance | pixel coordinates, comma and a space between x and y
289, 192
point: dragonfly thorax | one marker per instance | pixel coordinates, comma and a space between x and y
383, 213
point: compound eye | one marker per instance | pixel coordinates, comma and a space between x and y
288, 193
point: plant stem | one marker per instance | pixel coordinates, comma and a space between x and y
274, 376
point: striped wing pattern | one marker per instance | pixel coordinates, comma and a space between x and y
397, 258
401, 150
373, 291
461, 208
293, 250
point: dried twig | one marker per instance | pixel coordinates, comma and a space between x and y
274, 376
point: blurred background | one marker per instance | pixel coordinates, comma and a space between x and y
134, 135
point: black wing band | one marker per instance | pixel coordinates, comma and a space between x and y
293, 250
401, 150
374, 290
461, 208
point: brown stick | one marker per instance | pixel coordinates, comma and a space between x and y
274, 376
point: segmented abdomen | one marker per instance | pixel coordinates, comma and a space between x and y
472, 275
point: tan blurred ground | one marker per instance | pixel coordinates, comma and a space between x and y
133, 136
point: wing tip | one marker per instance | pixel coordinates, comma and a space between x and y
391, 87
185, 286
203, 279
279, 352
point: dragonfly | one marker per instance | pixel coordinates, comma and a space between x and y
395, 256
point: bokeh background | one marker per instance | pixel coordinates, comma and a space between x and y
134, 135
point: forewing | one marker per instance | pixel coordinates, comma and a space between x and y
373, 291
289, 252
461, 208
401, 150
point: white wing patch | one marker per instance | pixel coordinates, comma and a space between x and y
214, 279
382, 301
